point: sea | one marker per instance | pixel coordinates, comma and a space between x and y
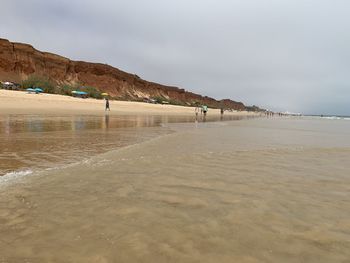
174, 189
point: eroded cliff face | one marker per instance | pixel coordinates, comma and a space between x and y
18, 61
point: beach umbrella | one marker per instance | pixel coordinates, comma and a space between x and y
79, 93
104, 94
38, 90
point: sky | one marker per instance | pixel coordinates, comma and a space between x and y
282, 55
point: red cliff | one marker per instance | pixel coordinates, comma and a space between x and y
18, 61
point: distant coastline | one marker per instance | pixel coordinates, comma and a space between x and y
328, 116
59, 75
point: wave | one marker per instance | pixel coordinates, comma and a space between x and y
336, 118
14, 175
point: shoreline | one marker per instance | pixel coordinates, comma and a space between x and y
46, 105
159, 131
21, 102
18, 175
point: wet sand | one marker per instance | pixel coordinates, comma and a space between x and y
263, 190
29, 142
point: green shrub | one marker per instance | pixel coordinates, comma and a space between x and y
177, 102
159, 99
48, 86
92, 91
35, 81
65, 89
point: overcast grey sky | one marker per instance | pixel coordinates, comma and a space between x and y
279, 54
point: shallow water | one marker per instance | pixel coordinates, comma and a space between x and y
262, 190
29, 141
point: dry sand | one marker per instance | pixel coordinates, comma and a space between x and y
20, 102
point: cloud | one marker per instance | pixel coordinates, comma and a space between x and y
281, 54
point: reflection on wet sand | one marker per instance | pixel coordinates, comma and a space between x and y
42, 141
27, 124
106, 122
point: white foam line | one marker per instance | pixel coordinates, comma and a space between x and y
14, 176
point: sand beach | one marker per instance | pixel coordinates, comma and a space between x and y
253, 167
152, 183
41, 130
20, 102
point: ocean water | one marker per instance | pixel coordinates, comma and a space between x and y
30, 141
257, 190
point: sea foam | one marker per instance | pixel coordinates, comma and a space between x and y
14, 175
336, 118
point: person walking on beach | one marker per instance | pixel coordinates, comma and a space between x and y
196, 110
222, 113
107, 105
205, 109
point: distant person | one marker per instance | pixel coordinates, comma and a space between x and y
196, 110
205, 109
222, 111
107, 104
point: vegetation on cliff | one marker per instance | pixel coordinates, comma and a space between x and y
56, 74
50, 86
34, 81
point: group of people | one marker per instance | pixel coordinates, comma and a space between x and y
203, 110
